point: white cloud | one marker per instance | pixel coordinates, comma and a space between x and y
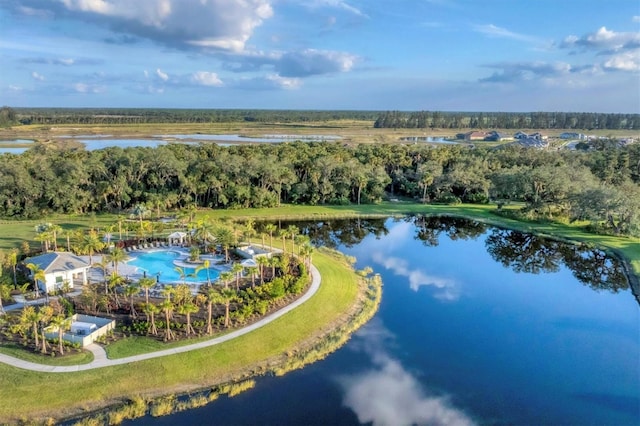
218, 24
284, 82
163, 76
15, 88
447, 289
635, 19
206, 78
88, 88
37, 76
625, 61
509, 72
309, 62
389, 395
494, 31
604, 39
338, 4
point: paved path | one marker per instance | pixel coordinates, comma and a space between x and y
100, 359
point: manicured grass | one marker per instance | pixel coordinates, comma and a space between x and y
57, 393
74, 358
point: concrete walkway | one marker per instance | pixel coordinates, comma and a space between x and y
100, 359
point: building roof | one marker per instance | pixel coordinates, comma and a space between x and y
57, 261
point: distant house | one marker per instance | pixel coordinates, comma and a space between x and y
520, 135
475, 136
539, 136
497, 136
572, 135
533, 143
59, 267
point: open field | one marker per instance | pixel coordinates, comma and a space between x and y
351, 131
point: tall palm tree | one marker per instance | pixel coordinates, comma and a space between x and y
116, 256
224, 237
60, 323
205, 266
270, 228
168, 307
5, 293
140, 211
273, 262
187, 309
182, 273
262, 262
91, 244
44, 316
302, 239
103, 264
229, 296
37, 274
237, 269
253, 270
226, 277
146, 284
213, 296
283, 234
12, 261
293, 232
43, 235
130, 291
116, 281
305, 251
31, 317
150, 311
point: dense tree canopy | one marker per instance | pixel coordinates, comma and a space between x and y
600, 186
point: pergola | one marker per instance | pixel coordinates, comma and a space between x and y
177, 238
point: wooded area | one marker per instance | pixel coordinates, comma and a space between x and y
601, 186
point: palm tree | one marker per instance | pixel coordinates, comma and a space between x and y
237, 269
226, 277
103, 265
31, 317
283, 234
293, 232
168, 307
130, 291
37, 274
43, 235
116, 281
5, 293
12, 261
187, 309
60, 323
146, 284
273, 261
150, 310
249, 230
140, 211
117, 256
253, 270
262, 262
182, 273
229, 296
44, 315
302, 239
213, 296
55, 230
224, 237
205, 266
91, 244
270, 229
204, 231
305, 251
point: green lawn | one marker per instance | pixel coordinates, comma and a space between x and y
73, 358
196, 369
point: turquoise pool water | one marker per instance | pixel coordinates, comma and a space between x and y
162, 262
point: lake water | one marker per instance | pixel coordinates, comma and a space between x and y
93, 142
477, 325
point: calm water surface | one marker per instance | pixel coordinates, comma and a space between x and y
477, 326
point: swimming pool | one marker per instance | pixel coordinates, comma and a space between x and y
162, 262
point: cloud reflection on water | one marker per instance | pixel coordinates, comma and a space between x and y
389, 395
447, 288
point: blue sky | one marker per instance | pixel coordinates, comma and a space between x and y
448, 55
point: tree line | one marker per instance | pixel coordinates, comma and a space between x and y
601, 186
99, 116
507, 120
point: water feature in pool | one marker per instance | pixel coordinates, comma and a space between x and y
477, 325
164, 262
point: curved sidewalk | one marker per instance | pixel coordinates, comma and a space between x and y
100, 359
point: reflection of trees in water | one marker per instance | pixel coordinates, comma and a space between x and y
533, 254
346, 232
429, 228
